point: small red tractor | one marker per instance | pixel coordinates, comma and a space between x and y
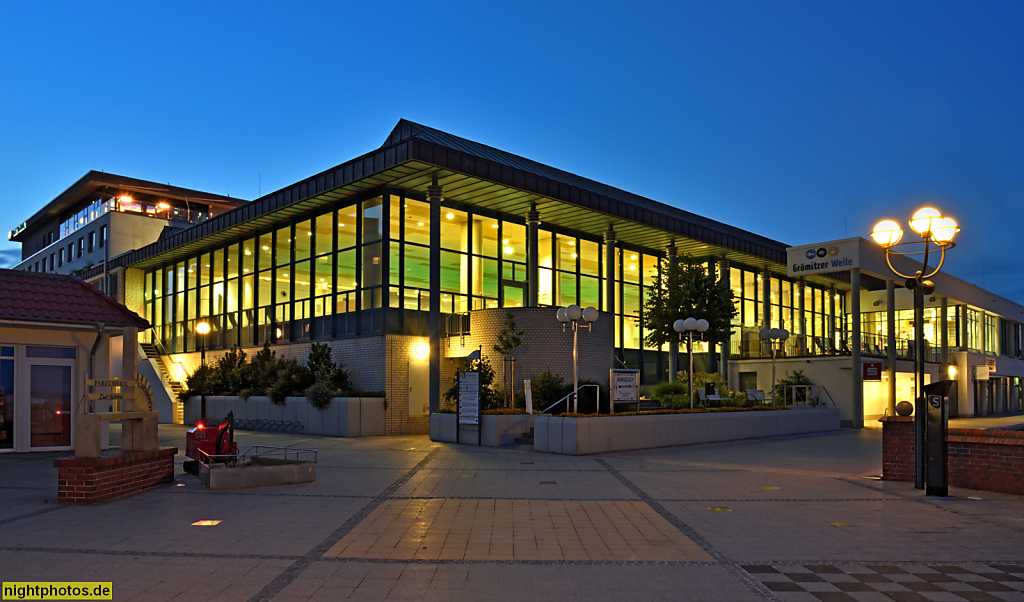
210, 444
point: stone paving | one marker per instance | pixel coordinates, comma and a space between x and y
395, 518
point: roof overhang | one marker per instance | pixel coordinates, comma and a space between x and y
474, 181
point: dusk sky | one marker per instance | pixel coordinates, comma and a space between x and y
799, 121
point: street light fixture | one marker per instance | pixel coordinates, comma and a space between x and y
202, 329
570, 316
935, 231
688, 326
773, 336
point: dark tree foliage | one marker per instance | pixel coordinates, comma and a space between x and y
489, 399
684, 291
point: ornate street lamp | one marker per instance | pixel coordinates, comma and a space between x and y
689, 325
202, 329
773, 336
935, 235
570, 317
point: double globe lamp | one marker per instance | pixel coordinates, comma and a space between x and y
689, 325
570, 317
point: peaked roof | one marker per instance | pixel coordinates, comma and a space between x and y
39, 297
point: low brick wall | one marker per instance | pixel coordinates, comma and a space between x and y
92, 480
983, 459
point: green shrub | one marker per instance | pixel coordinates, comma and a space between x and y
489, 398
547, 388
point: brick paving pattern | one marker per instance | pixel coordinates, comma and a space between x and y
403, 518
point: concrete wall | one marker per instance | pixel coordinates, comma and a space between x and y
835, 373
581, 436
495, 430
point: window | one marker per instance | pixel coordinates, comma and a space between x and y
92, 240
81, 246
71, 252
103, 236
60, 257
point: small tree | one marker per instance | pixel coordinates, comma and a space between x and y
329, 380
684, 291
488, 398
510, 338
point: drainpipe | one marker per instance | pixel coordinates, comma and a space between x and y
96, 345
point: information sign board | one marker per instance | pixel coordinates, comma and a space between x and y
624, 385
469, 398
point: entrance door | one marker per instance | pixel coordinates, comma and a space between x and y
6, 398
50, 405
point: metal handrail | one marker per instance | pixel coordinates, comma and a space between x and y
570, 395
808, 395
278, 452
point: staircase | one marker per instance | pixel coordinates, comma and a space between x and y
176, 387
525, 438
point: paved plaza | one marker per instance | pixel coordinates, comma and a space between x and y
392, 518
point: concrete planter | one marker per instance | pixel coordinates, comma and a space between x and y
495, 430
582, 436
345, 417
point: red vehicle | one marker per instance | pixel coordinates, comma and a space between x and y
210, 445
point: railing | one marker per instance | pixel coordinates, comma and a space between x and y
805, 395
750, 347
261, 454
597, 395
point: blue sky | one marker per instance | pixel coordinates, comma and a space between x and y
800, 121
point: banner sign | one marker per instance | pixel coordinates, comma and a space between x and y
836, 256
529, 396
469, 398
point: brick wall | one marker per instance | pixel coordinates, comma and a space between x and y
897, 448
987, 460
397, 421
545, 346
92, 480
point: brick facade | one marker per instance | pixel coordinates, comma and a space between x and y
983, 459
545, 346
92, 480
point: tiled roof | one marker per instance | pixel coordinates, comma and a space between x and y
37, 297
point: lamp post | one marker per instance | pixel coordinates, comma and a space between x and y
570, 316
773, 336
688, 326
932, 230
202, 329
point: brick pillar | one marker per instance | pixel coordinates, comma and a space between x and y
898, 448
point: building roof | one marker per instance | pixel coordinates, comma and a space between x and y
479, 176
40, 297
114, 184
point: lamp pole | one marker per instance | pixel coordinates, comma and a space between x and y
689, 325
773, 336
570, 317
202, 328
932, 229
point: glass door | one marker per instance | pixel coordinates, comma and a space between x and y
50, 404
6, 397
